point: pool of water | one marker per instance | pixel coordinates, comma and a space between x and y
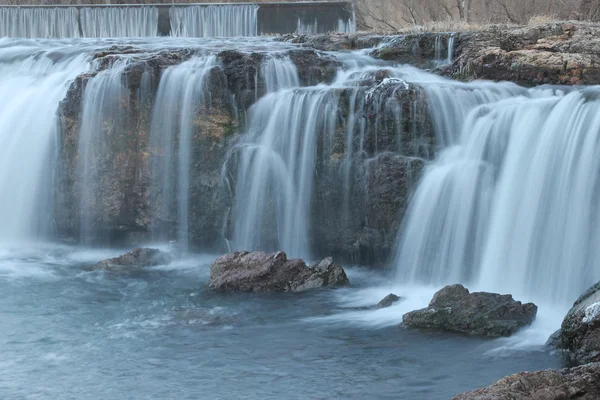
159, 333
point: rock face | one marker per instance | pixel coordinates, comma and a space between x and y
554, 53
580, 330
554, 339
549, 53
482, 314
136, 258
272, 272
366, 166
582, 383
388, 301
124, 209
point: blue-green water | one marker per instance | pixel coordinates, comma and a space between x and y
160, 334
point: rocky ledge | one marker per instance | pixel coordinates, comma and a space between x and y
136, 258
549, 53
582, 383
580, 330
480, 314
272, 272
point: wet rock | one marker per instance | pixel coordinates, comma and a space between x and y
388, 301
336, 41
415, 49
581, 383
580, 330
272, 272
481, 314
313, 67
554, 339
136, 258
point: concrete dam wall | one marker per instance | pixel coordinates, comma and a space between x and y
184, 20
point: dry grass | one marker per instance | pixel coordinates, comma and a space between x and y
541, 19
444, 26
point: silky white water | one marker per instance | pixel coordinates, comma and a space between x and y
279, 72
32, 82
102, 22
104, 112
510, 204
181, 91
39, 22
217, 21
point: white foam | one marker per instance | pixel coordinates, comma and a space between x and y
592, 312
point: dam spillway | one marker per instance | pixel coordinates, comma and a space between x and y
181, 20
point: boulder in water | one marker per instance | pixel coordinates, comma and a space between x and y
576, 383
388, 300
272, 272
580, 331
136, 258
481, 314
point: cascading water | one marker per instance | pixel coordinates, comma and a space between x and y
181, 93
306, 26
31, 87
119, 21
279, 73
275, 171
19, 22
510, 201
104, 112
214, 21
440, 58
275, 178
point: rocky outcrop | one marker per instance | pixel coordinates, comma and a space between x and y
554, 53
554, 339
549, 53
136, 258
120, 208
272, 272
366, 166
425, 50
582, 383
388, 157
580, 330
388, 300
481, 314
335, 41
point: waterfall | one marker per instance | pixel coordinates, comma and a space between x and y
214, 21
450, 49
346, 26
305, 26
104, 114
31, 87
279, 73
119, 21
275, 171
443, 59
39, 22
275, 185
510, 203
182, 92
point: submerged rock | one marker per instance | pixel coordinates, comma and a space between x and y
388, 300
580, 331
272, 272
482, 314
576, 383
136, 258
